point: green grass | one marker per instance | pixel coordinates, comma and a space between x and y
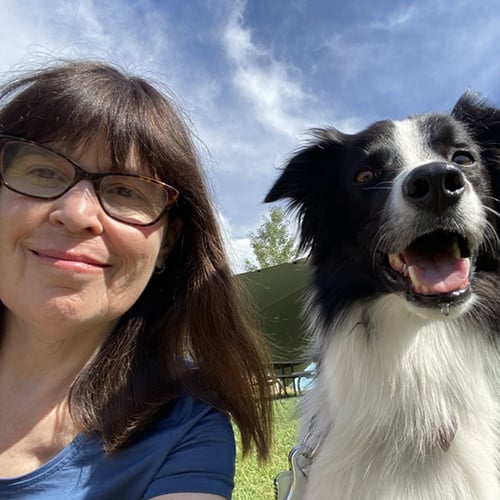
254, 481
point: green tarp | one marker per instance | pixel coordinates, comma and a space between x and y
277, 293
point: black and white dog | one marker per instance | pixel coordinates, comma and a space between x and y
401, 223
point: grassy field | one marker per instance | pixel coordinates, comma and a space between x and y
254, 481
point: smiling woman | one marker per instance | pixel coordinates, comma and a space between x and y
125, 348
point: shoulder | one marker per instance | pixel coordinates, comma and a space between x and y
187, 411
191, 424
201, 454
189, 448
192, 427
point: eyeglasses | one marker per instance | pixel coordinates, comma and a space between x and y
38, 171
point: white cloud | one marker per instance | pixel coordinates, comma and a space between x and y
108, 29
238, 249
267, 83
399, 18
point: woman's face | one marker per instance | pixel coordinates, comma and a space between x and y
66, 262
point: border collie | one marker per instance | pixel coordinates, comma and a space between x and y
400, 221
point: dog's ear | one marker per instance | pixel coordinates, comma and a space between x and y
483, 122
307, 181
294, 181
299, 177
482, 119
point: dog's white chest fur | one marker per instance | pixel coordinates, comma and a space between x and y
404, 408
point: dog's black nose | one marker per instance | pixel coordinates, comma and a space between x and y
434, 186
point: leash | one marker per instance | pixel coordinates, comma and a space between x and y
291, 484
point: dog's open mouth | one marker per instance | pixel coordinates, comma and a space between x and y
435, 266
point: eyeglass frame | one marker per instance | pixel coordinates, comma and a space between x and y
93, 177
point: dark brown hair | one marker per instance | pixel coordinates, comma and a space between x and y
189, 330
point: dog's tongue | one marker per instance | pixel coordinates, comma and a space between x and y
436, 273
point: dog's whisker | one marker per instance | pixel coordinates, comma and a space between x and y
496, 200
377, 188
380, 244
491, 211
491, 241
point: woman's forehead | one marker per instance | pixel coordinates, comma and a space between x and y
96, 154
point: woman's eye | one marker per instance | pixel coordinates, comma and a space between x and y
364, 176
126, 194
463, 158
43, 172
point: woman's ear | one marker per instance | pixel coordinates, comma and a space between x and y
174, 228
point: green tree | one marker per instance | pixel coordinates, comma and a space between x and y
272, 243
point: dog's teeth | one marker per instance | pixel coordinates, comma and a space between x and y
418, 287
396, 263
468, 264
455, 250
392, 261
414, 280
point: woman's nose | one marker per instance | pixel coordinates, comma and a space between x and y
78, 209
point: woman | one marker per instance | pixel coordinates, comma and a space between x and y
124, 349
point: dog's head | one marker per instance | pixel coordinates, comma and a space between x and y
402, 207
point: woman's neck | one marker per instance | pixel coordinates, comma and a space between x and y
37, 368
48, 355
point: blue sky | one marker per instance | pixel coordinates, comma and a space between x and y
254, 75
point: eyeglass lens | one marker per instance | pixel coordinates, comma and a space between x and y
41, 173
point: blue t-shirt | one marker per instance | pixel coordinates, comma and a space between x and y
189, 450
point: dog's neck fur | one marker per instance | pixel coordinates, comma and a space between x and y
394, 390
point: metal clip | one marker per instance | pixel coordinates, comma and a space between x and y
291, 484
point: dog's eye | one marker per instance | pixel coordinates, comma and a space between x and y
463, 158
364, 176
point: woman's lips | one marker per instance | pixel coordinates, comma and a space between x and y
71, 258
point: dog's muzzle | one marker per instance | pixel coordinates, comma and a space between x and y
434, 260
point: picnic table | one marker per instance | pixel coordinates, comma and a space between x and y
289, 374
